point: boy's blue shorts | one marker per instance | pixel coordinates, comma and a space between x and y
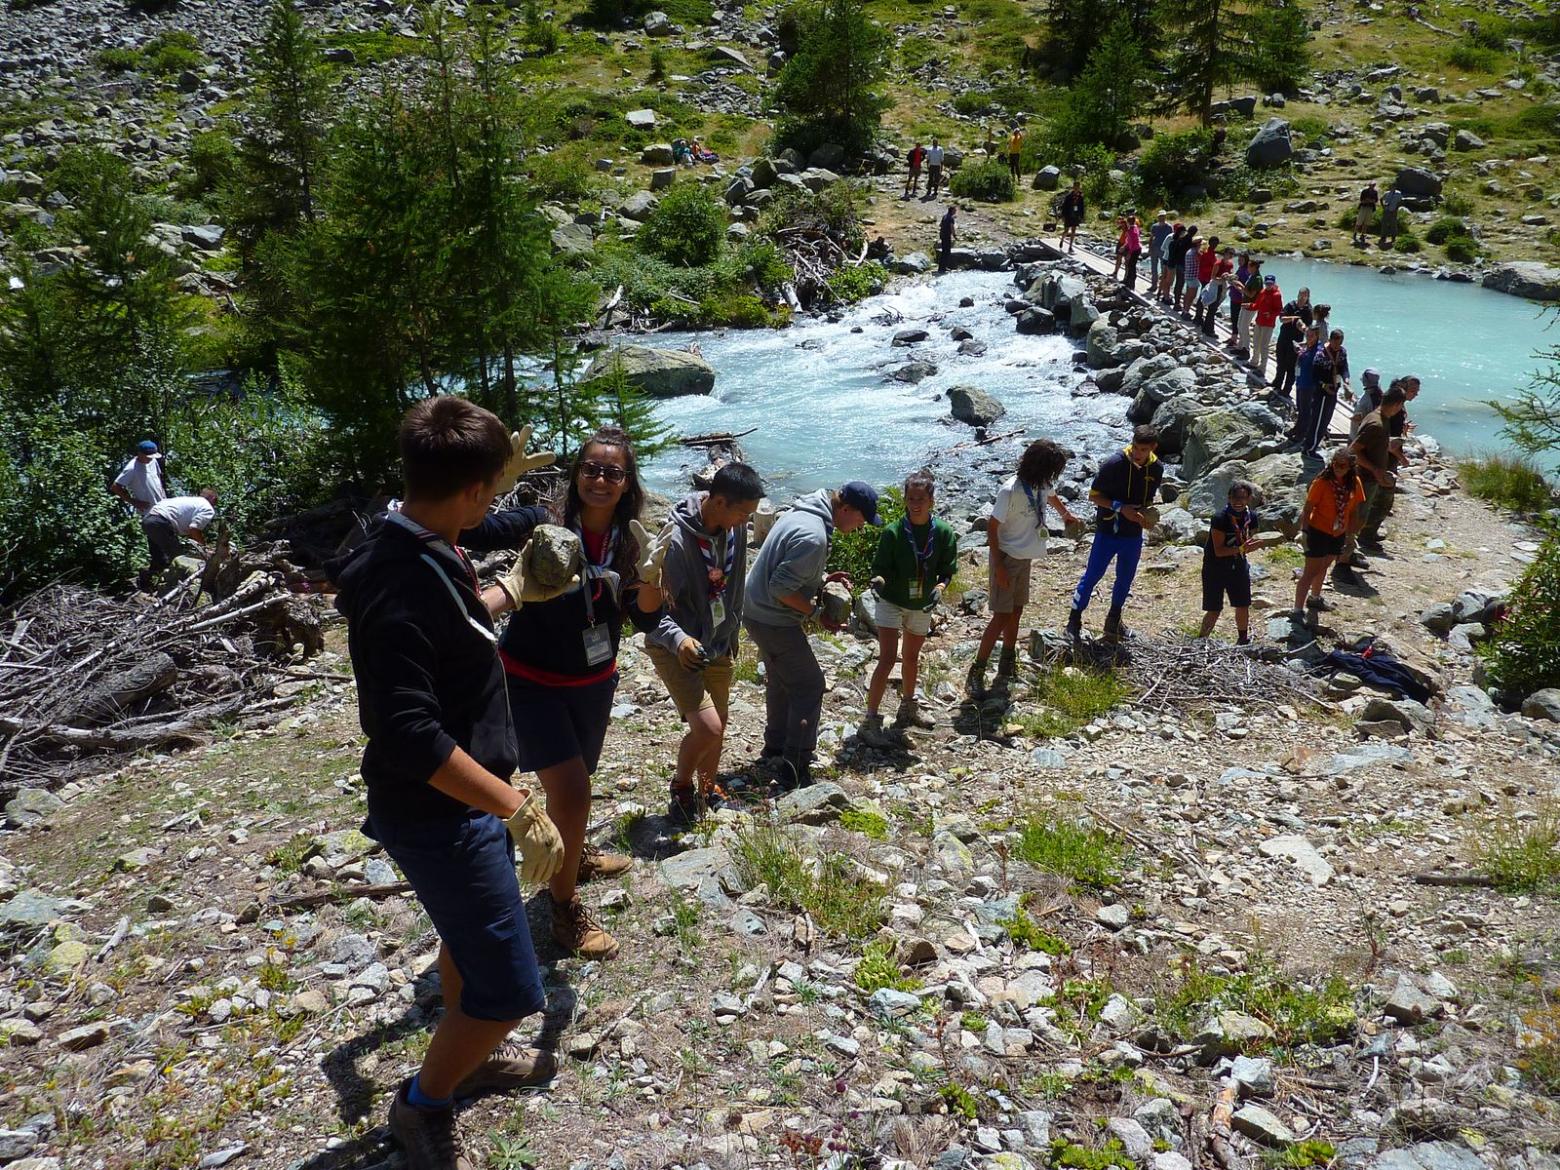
462, 870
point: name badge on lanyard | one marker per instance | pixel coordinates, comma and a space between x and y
596, 636
923, 557
719, 575
598, 645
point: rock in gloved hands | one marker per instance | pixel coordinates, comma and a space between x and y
652, 550
536, 840
548, 565
836, 601
519, 462
1150, 517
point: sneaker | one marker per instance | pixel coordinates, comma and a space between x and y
685, 807
575, 929
427, 1137
911, 715
596, 863
511, 1066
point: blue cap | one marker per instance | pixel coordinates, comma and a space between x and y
146, 447
862, 497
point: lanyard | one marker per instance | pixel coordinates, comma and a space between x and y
719, 577
434, 541
593, 572
1037, 502
922, 556
1242, 522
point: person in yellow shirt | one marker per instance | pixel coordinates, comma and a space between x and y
1016, 153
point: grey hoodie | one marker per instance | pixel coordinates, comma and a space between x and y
685, 575
791, 560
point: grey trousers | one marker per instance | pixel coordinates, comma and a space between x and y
793, 691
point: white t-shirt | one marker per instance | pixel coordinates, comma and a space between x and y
188, 513
934, 156
143, 480
1021, 525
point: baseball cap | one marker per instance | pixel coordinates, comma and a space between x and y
1371, 377
146, 447
862, 497
1270, 280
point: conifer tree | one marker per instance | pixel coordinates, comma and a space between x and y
829, 89
1108, 96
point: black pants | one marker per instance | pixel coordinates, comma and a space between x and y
162, 541
1014, 166
944, 253
1284, 375
1180, 282
1130, 276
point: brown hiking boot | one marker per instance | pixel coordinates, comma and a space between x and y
428, 1137
575, 929
910, 714
511, 1066
594, 863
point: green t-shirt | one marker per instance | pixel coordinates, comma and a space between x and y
912, 561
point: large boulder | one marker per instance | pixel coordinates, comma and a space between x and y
827, 157
1219, 437
1036, 321
1177, 383
657, 154
1281, 481
1270, 145
1525, 278
1046, 178
573, 239
1173, 419
1417, 181
638, 206
660, 373
1104, 345
972, 405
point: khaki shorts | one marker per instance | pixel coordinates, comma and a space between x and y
694, 690
1016, 595
889, 616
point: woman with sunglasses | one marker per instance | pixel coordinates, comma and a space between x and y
1332, 513
560, 656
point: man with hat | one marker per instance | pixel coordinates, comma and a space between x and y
1157, 235
1266, 308
1369, 400
140, 483
784, 589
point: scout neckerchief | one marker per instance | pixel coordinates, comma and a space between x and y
1036, 501
1242, 520
923, 556
719, 575
1341, 493
597, 638
436, 542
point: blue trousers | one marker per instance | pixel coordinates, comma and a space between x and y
1125, 551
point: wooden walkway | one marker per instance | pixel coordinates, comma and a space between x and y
1100, 265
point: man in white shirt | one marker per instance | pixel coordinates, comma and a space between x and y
140, 484
934, 166
170, 519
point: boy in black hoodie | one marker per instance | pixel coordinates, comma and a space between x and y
440, 750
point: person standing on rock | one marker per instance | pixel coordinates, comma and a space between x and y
1072, 215
1266, 309
560, 655
169, 520
913, 178
437, 764
1291, 332
1157, 235
1015, 150
1330, 368
1372, 450
1016, 538
1366, 213
1330, 515
694, 646
1131, 249
783, 593
1173, 252
1187, 285
945, 233
1123, 494
1226, 571
1390, 203
934, 166
140, 482
915, 560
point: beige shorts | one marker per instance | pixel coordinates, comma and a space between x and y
889, 616
694, 690
1016, 595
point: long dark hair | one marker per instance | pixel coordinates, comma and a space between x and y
1350, 477
1042, 463
630, 503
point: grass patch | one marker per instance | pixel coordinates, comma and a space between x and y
1025, 931
373, 47
1297, 1012
1076, 1157
866, 822
1301, 1156
878, 970
1070, 697
1081, 852
1286, 556
1522, 858
1507, 481
840, 900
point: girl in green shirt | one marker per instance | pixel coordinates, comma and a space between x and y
915, 559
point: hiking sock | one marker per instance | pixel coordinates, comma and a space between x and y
417, 1097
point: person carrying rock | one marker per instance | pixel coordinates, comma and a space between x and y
945, 231
1369, 198
1291, 332
1330, 367
913, 177
166, 522
914, 561
1187, 285
934, 169
437, 764
1157, 235
140, 482
1226, 571
1123, 494
1331, 513
1390, 203
694, 647
1072, 215
560, 653
783, 593
1016, 537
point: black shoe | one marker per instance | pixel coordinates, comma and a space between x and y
685, 807
1243, 640
793, 776
1114, 630
1075, 624
1374, 543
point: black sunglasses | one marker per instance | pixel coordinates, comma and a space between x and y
604, 471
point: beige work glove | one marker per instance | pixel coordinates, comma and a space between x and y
519, 462
652, 551
537, 840
520, 584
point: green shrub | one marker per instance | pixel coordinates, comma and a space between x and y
118, 60
1457, 205
1475, 59
562, 175
1524, 655
1462, 249
1173, 161
686, 227
1298, 1012
989, 180
212, 163
1506, 481
1081, 852
851, 283
1522, 857
1311, 128
657, 64
172, 51
1069, 697
878, 969
1445, 228
735, 310
1406, 242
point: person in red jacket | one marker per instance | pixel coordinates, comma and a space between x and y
1269, 304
